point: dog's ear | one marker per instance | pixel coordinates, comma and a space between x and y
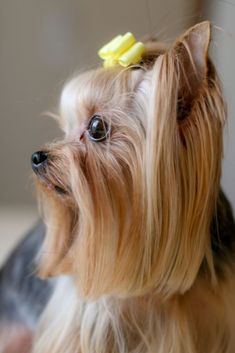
190, 52
192, 49
186, 113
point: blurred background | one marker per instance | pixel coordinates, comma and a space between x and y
42, 43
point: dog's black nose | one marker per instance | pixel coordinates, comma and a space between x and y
38, 158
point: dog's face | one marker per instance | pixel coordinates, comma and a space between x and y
129, 193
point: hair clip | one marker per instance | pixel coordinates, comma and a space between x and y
122, 50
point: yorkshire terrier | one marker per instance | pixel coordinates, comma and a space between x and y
136, 221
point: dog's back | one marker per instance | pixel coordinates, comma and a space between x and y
23, 296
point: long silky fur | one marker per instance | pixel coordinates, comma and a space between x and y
132, 230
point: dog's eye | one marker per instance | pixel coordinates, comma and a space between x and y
98, 129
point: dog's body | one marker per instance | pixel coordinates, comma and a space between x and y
18, 278
135, 217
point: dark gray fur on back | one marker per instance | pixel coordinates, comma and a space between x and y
223, 229
222, 237
23, 295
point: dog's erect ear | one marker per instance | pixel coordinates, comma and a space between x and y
192, 49
191, 54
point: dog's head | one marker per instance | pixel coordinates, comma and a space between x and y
129, 193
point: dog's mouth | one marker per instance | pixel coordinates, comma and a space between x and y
52, 187
48, 184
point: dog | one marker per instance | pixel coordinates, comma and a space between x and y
139, 233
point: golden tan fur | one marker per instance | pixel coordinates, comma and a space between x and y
132, 229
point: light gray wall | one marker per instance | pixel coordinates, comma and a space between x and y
222, 15
44, 42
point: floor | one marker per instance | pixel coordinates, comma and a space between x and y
14, 222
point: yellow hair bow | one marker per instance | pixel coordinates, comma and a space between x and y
123, 50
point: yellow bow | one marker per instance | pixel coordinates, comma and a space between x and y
122, 50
